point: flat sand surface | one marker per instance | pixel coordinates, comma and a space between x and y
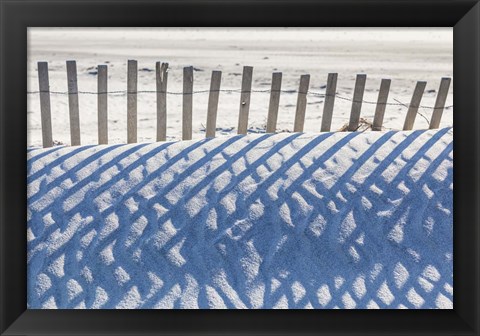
404, 55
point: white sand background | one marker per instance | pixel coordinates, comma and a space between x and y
404, 55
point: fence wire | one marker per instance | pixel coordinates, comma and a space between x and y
312, 93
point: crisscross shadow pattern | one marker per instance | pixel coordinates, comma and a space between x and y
332, 220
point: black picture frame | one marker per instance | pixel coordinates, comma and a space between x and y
17, 15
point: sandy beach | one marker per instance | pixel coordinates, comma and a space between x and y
348, 220
290, 221
403, 55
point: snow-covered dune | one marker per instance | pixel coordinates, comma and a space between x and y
331, 220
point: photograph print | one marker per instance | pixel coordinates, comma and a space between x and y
240, 168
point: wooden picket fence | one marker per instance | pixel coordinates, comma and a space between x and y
245, 92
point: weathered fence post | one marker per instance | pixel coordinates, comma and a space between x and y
187, 103
329, 102
214, 92
440, 102
46, 117
274, 102
245, 99
102, 104
213, 104
301, 103
73, 103
357, 102
132, 101
162, 77
414, 104
381, 105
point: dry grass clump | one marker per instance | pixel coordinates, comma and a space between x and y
363, 125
